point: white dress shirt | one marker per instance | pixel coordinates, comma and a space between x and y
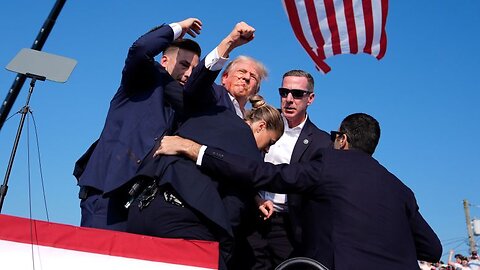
281, 152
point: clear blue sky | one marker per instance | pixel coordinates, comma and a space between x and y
425, 93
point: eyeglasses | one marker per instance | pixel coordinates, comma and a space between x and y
296, 93
333, 135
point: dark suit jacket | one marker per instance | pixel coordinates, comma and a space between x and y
211, 94
140, 112
357, 216
222, 202
310, 141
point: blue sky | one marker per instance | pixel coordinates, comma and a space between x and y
424, 92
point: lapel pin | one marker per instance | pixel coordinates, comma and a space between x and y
305, 141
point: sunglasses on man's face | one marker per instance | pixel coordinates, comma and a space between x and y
296, 93
333, 135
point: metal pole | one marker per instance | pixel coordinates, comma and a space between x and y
37, 45
471, 240
25, 110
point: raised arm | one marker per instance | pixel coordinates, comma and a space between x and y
140, 63
241, 34
200, 92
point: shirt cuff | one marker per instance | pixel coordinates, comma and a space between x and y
201, 153
214, 62
177, 30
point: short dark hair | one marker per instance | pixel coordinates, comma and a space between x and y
301, 73
363, 131
185, 44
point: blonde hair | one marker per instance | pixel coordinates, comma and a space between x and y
262, 111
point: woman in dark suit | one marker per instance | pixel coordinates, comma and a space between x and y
182, 202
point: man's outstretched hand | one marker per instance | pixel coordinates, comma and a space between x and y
191, 26
176, 145
241, 34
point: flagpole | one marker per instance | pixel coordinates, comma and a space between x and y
37, 45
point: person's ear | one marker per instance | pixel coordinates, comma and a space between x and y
311, 97
261, 125
224, 77
164, 61
342, 140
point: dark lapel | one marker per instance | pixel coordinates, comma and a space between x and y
303, 142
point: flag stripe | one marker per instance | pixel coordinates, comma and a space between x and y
326, 28
359, 24
383, 38
367, 16
304, 25
352, 29
321, 14
315, 28
377, 26
342, 26
332, 24
297, 29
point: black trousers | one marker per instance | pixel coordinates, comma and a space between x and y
101, 212
164, 219
271, 241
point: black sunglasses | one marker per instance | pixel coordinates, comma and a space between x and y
296, 93
333, 135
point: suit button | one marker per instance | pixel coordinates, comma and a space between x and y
139, 161
218, 155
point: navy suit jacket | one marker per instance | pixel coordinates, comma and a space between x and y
357, 214
222, 202
211, 93
141, 111
310, 140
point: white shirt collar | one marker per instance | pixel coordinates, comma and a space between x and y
298, 128
238, 110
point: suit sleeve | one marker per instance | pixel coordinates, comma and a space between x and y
140, 66
281, 178
141, 71
427, 244
199, 92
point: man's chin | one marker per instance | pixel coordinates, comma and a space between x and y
241, 91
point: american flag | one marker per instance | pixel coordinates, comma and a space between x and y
326, 28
